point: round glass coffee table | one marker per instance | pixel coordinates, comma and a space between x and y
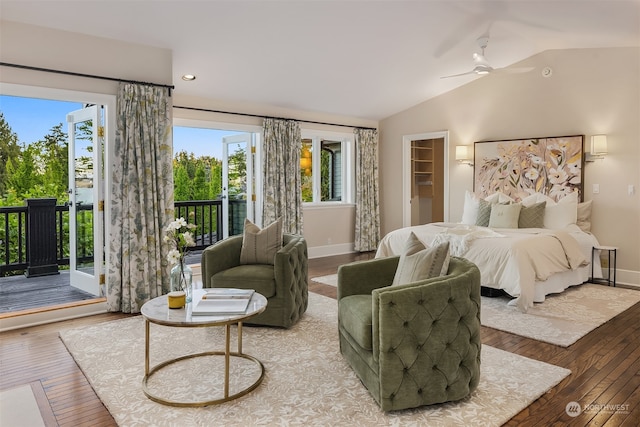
157, 311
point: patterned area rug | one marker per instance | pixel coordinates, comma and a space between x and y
307, 381
562, 319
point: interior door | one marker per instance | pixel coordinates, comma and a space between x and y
86, 137
237, 183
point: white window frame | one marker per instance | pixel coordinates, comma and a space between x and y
348, 165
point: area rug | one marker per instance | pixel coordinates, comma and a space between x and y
562, 319
307, 381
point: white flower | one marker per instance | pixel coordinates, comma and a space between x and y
557, 176
188, 238
173, 256
179, 238
532, 174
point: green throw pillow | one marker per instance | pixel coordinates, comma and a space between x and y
420, 263
260, 246
484, 213
532, 216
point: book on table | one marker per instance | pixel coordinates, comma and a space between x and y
221, 301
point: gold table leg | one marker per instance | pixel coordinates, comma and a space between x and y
227, 355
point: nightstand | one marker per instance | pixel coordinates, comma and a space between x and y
610, 250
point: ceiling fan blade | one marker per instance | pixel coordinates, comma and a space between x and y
512, 70
458, 75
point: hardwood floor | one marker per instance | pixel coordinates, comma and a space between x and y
605, 367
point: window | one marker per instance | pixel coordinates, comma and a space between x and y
326, 168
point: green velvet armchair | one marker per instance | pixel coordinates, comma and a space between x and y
415, 344
284, 284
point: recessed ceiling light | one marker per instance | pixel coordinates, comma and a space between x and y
188, 77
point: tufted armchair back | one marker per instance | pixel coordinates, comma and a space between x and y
415, 344
284, 284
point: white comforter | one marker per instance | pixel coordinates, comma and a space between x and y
508, 259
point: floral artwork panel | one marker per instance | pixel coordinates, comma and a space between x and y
552, 166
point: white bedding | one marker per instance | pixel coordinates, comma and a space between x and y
527, 263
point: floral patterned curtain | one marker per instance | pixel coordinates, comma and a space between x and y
367, 199
281, 166
141, 197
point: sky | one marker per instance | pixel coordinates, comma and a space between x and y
31, 119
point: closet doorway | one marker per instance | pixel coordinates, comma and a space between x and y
425, 181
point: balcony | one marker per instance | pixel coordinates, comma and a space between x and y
34, 247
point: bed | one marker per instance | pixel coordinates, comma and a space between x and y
524, 226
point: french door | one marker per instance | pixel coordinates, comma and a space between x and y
237, 182
86, 206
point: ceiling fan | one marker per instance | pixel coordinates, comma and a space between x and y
482, 66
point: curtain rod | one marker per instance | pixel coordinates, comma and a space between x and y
91, 76
269, 117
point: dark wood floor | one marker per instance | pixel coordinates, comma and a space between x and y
605, 369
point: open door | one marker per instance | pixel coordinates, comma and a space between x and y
237, 183
86, 259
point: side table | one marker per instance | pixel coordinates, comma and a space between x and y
610, 250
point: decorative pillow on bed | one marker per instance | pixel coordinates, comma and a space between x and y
499, 198
559, 215
418, 262
584, 216
484, 213
532, 216
260, 246
504, 216
470, 210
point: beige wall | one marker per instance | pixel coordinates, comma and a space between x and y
591, 91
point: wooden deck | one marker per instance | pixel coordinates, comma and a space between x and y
21, 294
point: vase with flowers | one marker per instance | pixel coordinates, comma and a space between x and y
179, 235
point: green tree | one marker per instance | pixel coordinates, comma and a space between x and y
9, 152
200, 188
23, 172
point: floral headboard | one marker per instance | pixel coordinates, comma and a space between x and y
553, 166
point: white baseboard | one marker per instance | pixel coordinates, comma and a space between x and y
330, 250
628, 277
49, 316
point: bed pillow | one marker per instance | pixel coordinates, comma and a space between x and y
584, 216
504, 216
260, 246
534, 198
560, 215
499, 197
470, 210
418, 262
532, 216
484, 213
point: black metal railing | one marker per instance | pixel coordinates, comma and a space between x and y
18, 254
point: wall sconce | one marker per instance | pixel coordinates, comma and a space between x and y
598, 148
464, 154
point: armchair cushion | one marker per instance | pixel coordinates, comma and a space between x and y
260, 246
356, 318
418, 263
260, 277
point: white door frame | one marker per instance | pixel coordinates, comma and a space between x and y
109, 104
406, 172
84, 278
240, 138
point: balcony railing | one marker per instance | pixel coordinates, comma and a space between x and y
29, 233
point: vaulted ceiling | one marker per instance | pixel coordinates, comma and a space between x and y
367, 59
